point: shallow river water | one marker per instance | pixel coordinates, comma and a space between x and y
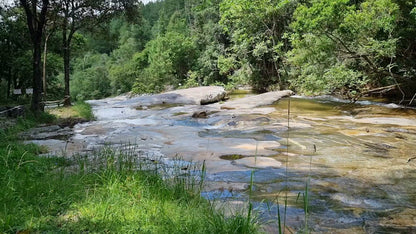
356, 162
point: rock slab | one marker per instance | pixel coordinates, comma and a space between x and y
257, 100
258, 162
192, 96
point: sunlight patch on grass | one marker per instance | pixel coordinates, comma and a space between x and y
63, 112
79, 110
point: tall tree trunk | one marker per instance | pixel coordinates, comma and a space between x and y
66, 54
14, 80
36, 104
9, 82
36, 21
66, 72
45, 50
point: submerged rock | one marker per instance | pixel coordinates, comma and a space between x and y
258, 162
199, 114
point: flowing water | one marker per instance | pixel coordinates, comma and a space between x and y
357, 159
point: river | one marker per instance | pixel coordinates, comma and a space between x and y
356, 162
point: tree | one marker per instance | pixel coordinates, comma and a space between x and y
168, 58
165, 61
343, 47
14, 43
256, 29
211, 43
36, 19
87, 14
90, 77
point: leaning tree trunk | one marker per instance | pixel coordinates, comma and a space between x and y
45, 54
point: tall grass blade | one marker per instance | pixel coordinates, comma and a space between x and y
286, 165
279, 219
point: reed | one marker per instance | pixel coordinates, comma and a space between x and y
105, 191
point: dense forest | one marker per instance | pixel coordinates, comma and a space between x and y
343, 47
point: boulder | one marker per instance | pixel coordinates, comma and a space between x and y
202, 95
198, 95
199, 114
256, 100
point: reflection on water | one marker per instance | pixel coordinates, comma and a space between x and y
236, 94
357, 159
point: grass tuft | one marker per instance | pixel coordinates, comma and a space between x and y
79, 110
100, 193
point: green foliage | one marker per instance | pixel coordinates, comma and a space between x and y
338, 47
84, 110
211, 42
54, 87
169, 58
90, 79
314, 47
122, 72
192, 80
15, 58
256, 29
15, 52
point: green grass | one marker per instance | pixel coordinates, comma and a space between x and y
45, 195
84, 110
99, 193
179, 113
79, 110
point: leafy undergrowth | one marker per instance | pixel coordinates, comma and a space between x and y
111, 195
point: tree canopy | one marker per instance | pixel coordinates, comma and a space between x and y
341, 47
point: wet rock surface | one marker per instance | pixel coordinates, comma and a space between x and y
256, 100
358, 164
192, 96
48, 132
258, 162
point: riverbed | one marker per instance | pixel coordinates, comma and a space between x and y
355, 162
358, 162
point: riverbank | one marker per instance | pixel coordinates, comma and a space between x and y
109, 194
358, 156
355, 161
